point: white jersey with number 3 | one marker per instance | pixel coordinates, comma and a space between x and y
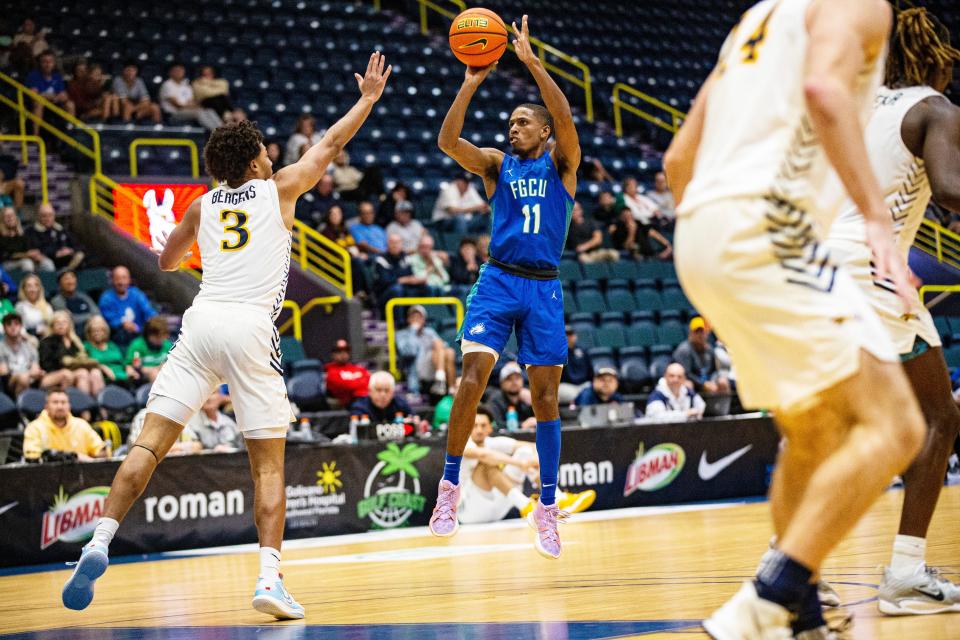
244, 246
758, 141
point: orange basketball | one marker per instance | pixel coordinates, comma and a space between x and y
478, 37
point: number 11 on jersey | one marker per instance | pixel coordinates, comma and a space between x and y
536, 218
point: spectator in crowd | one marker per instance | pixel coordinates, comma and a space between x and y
643, 209
48, 82
663, 198
80, 305
428, 265
134, 98
346, 380
216, 431
275, 153
6, 305
33, 307
594, 171
12, 187
577, 374
49, 238
428, 357
335, 230
148, 352
697, 358
15, 250
394, 274
626, 234
100, 348
178, 102
19, 360
125, 307
607, 212
313, 207
512, 393
382, 406
605, 389
400, 194
65, 361
55, 429
346, 178
370, 237
585, 238
87, 90
410, 231
304, 136
483, 248
212, 92
465, 266
187, 443
460, 208
28, 43
673, 399
441, 413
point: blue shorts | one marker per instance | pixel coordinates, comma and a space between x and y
500, 302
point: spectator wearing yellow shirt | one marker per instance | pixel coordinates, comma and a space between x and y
57, 429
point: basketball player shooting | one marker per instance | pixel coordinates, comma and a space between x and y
531, 196
243, 230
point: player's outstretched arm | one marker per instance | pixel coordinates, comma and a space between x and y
178, 243
566, 153
681, 155
484, 162
940, 122
298, 178
843, 36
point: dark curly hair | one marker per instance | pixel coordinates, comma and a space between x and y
230, 150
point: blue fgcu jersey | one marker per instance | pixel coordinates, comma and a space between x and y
531, 212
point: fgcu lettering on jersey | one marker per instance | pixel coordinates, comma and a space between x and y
654, 469
530, 188
73, 518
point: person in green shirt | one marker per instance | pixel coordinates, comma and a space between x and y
147, 352
108, 354
441, 415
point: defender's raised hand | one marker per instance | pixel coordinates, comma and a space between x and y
373, 81
521, 43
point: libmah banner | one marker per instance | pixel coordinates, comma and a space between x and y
47, 512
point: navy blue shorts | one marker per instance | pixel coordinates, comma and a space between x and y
500, 302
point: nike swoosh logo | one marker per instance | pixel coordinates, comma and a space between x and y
936, 595
710, 470
7, 507
481, 41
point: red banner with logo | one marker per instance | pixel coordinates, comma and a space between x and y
148, 216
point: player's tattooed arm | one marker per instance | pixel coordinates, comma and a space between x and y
482, 161
566, 153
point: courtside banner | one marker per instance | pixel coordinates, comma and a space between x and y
48, 512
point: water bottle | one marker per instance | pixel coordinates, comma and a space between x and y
305, 430
398, 417
513, 420
353, 430
137, 360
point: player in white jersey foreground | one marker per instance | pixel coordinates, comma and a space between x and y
243, 230
750, 168
913, 139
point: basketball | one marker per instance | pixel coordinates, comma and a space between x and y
478, 37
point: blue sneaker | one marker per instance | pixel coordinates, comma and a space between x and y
273, 599
78, 592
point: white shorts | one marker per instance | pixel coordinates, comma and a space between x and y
233, 343
855, 258
794, 324
477, 505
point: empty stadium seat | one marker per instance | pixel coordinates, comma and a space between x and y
671, 332
590, 301
31, 402
118, 403
642, 334
621, 300
306, 391
610, 336
601, 357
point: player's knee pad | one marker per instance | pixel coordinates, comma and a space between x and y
170, 409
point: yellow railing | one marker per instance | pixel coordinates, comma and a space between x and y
543, 49
25, 113
102, 203
323, 257
406, 302
42, 147
939, 242
295, 322
944, 291
670, 119
165, 142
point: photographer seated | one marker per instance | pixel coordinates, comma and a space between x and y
57, 430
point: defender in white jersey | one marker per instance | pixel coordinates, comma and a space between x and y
243, 230
913, 139
751, 169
